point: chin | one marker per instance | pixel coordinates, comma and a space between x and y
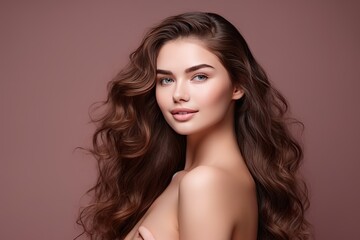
186, 131
182, 130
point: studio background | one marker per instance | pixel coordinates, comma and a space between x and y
56, 58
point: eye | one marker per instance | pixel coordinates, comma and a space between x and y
166, 81
200, 77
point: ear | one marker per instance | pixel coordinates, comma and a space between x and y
237, 93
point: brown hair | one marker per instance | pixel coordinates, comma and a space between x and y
138, 153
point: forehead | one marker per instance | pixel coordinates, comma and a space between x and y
183, 53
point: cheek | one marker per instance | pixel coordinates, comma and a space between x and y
161, 99
215, 97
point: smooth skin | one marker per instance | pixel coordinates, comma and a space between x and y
214, 197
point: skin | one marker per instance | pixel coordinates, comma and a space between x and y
214, 197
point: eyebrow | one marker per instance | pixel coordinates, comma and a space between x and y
188, 70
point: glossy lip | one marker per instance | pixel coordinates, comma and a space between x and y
183, 114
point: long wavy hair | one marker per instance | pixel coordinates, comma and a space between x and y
138, 153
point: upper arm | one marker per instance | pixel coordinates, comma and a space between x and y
206, 205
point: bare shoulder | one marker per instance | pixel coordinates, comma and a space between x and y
205, 185
202, 177
208, 180
215, 199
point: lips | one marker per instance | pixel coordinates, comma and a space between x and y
182, 111
183, 114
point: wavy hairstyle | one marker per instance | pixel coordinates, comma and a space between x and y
138, 153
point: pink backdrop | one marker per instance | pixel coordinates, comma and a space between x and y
56, 59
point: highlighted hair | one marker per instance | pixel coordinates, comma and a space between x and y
137, 152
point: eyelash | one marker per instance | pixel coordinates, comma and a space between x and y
163, 79
200, 75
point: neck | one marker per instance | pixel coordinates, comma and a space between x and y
212, 147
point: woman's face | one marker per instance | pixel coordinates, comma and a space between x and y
193, 89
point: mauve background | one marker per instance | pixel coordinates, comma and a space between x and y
57, 56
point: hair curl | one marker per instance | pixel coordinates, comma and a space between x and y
138, 153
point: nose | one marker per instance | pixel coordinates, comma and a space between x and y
181, 92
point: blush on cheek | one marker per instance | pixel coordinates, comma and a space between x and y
161, 102
215, 96
158, 98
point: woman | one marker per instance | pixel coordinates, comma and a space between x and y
194, 143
